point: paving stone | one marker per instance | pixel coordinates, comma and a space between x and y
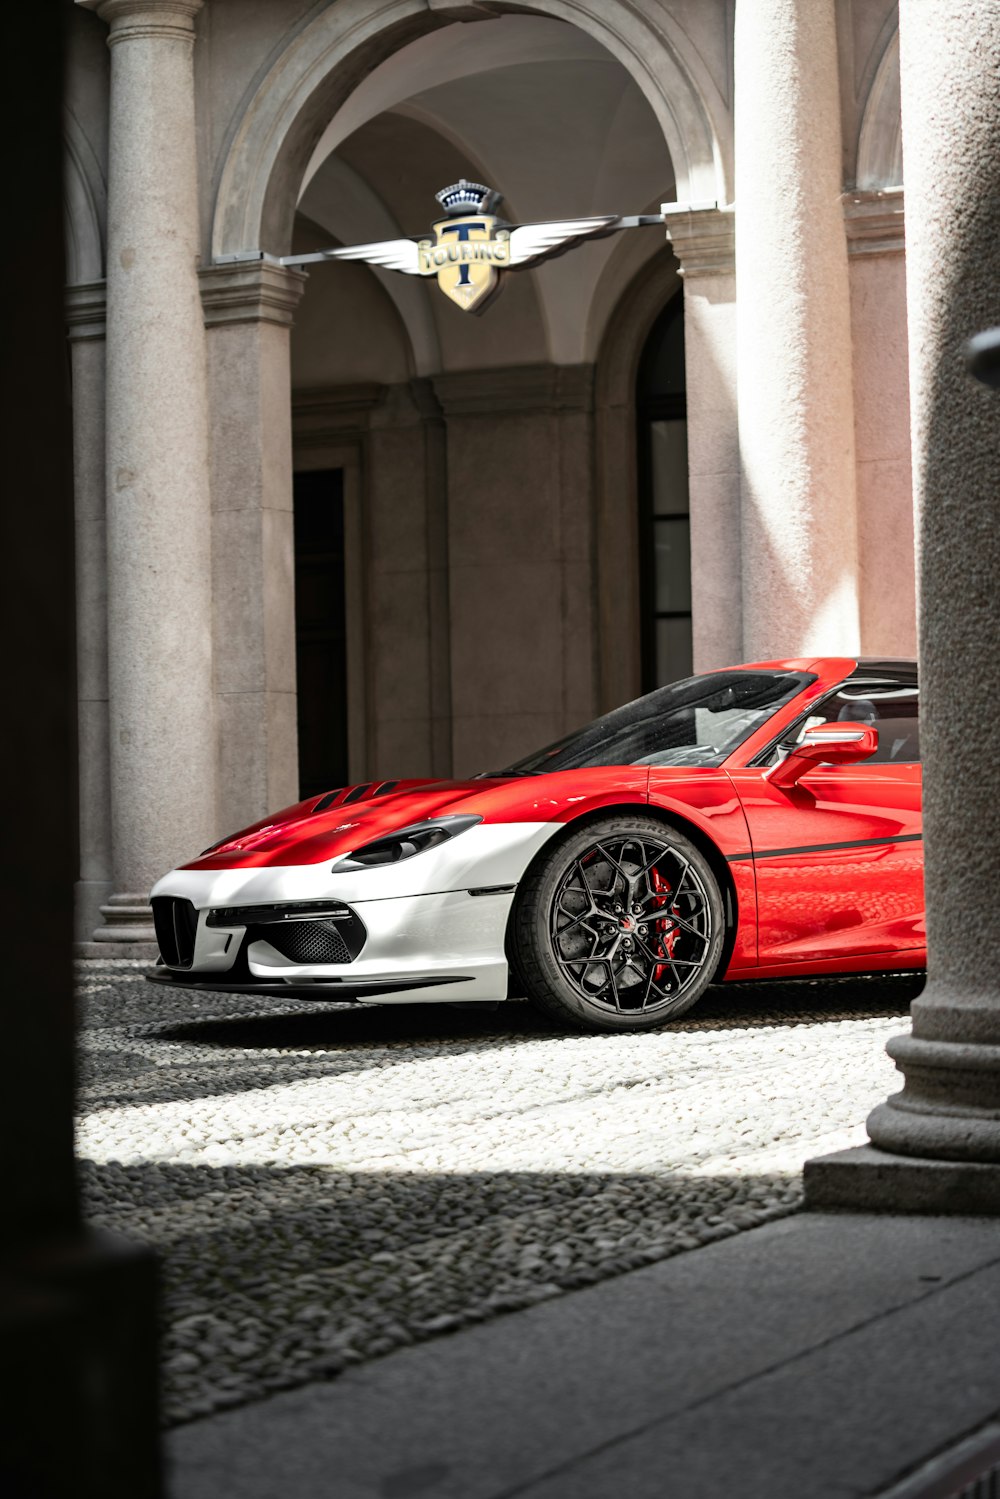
328, 1183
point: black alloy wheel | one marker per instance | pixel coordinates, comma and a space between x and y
619, 926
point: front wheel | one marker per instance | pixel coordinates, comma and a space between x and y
619, 926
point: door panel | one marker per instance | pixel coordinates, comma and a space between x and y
838, 860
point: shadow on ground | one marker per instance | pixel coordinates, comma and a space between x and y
729, 1006
273, 1277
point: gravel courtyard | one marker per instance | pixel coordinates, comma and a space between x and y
326, 1183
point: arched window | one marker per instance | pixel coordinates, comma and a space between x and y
664, 527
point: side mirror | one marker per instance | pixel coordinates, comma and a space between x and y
825, 743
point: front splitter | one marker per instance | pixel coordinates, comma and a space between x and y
338, 990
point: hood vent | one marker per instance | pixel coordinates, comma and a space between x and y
343, 795
327, 800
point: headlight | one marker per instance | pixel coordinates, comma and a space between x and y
407, 842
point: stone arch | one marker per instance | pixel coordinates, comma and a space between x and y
880, 142
284, 114
616, 477
85, 196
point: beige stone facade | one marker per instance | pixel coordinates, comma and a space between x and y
494, 492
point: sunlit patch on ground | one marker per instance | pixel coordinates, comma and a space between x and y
326, 1184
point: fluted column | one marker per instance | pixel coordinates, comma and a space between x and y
937, 1143
703, 241
158, 521
793, 318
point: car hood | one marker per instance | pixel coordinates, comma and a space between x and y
326, 826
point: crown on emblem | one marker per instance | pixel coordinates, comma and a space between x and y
464, 196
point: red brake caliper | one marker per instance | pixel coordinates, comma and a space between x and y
664, 940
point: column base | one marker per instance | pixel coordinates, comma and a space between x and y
867, 1180
145, 952
127, 932
88, 898
127, 918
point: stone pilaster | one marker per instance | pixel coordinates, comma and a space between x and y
85, 327
162, 738
704, 242
248, 312
875, 227
936, 1145
795, 391
520, 547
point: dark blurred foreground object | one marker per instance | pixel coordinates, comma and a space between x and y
982, 357
78, 1397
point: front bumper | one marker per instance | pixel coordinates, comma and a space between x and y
407, 948
428, 928
335, 990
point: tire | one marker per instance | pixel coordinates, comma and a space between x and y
618, 926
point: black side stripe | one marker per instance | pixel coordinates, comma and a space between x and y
822, 848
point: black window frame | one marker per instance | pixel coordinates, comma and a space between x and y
649, 409
894, 674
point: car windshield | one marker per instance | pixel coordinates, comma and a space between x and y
698, 721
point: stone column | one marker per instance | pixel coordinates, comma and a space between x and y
877, 270
158, 522
796, 418
938, 1141
702, 240
85, 310
248, 311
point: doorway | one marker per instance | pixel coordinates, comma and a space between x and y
320, 630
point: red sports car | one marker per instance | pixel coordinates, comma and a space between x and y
757, 822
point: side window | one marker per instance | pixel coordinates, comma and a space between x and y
893, 708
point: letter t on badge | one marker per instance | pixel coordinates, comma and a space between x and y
463, 231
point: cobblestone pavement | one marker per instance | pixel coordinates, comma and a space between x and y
327, 1183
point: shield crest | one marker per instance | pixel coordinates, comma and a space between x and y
464, 258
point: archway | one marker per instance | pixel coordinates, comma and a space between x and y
472, 470
280, 125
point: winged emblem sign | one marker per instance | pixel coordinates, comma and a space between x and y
469, 248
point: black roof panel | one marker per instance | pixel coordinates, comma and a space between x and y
894, 668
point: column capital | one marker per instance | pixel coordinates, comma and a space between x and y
874, 221
703, 239
260, 292
86, 310
130, 19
